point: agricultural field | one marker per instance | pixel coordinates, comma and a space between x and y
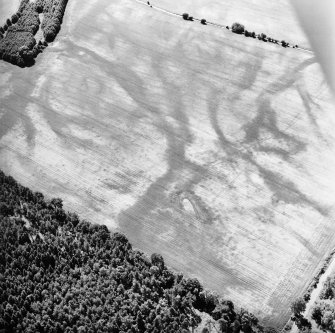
213, 149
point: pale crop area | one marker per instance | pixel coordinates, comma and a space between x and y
215, 150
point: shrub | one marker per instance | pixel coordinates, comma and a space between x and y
157, 260
5, 27
206, 301
237, 28
303, 324
2, 30
14, 18
203, 21
185, 16
247, 33
50, 33
9, 22
263, 36
298, 306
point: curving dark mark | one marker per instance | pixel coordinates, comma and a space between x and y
286, 191
309, 104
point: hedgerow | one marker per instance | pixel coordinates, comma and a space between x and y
323, 311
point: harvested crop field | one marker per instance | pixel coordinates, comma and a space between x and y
213, 149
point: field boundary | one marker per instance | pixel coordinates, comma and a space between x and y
221, 26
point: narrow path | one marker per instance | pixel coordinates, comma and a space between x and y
316, 292
221, 26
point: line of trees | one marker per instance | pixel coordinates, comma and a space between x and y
324, 308
323, 311
62, 274
298, 307
239, 28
